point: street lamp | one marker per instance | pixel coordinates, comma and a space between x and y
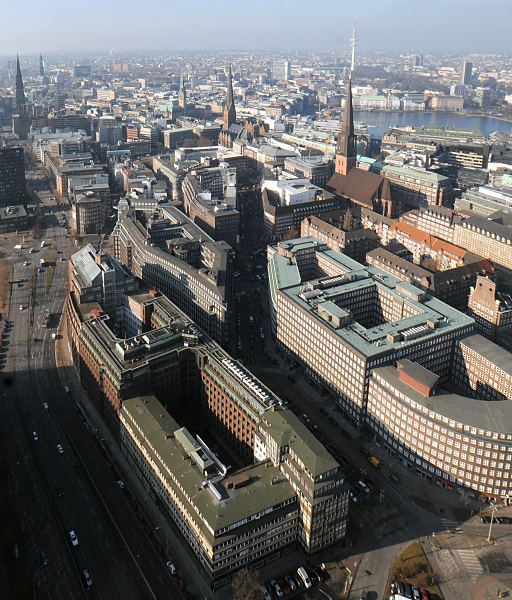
490, 524
166, 540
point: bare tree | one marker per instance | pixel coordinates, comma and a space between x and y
245, 586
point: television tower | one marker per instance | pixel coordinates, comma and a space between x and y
354, 43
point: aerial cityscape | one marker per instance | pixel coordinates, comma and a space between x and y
256, 301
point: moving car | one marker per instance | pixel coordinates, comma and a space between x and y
60, 449
87, 579
73, 539
171, 567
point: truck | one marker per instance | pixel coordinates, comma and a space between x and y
42, 244
17, 247
374, 461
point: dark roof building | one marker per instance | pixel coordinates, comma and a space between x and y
362, 188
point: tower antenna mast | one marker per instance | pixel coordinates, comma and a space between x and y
354, 43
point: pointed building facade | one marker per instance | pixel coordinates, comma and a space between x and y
21, 124
361, 188
346, 152
229, 116
182, 94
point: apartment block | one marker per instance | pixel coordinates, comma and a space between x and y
355, 243
492, 311
171, 254
412, 187
490, 237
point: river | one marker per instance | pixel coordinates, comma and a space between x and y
380, 122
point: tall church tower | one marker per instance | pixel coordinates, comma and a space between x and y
182, 94
21, 124
346, 154
229, 106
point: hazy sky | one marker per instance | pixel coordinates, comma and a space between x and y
32, 26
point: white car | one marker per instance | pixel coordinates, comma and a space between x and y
60, 449
45, 406
171, 567
73, 538
35, 436
120, 483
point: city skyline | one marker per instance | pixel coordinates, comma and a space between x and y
462, 26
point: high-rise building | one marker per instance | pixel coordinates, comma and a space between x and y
182, 95
21, 122
467, 70
417, 60
12, 176
41, 66
281, 70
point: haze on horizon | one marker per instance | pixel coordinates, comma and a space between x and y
451, 26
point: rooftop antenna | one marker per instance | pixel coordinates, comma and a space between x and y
354, 43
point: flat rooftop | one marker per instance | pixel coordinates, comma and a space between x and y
428, 316
491, 351
213, 502
492, 416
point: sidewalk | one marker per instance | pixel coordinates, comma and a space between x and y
166, 534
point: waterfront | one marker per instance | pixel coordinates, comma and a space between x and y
380, 121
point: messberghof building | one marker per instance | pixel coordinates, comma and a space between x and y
340, 320
289, 489
172, 254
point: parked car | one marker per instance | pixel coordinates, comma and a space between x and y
276, 588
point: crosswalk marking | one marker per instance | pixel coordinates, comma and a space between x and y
449, 524
471, 563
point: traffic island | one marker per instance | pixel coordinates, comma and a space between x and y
413, 567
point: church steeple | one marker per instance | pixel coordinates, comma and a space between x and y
22, 123
182, 94
346, 156
229, 106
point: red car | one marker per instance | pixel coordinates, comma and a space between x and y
284, 586
180, 583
